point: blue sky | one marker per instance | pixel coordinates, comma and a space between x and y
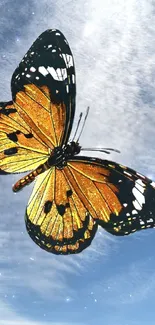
113, 281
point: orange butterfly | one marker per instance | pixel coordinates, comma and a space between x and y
72, 194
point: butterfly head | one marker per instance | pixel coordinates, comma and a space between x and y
72, 149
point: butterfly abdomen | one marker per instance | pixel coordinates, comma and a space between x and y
28, 179
58, 158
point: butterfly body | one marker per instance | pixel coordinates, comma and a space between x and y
61, 155
58, 158
72, 195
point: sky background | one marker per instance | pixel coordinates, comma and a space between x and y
113, 281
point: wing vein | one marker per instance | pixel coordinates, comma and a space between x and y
79, 187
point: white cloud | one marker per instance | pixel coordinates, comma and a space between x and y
9, 317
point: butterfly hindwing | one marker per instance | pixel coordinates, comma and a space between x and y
56, 219
118, 198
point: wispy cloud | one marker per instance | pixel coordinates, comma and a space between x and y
9, 317
132, 284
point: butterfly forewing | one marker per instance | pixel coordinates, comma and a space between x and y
47, 68
41, 114
20, 148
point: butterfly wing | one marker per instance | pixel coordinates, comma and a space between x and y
121, 200
67, 205
49, 66
20, 149
56, 219
41, 114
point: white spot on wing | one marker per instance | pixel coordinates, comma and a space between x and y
134, 212
138, 195
73, 78
68, 60
140, 175
153, 184
128, 174
43, 71
150, 220
140, 182
32, 69
59, 74
140, 185
62, 74
52, 72
137, 205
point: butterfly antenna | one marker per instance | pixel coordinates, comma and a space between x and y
80, 117
105, 150
83, 123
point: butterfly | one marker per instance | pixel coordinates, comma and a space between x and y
72, 194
